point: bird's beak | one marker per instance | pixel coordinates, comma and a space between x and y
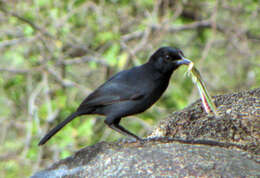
183, 61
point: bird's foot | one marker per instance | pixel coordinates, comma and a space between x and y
128, 140
154, 139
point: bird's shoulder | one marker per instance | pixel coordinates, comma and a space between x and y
126, 81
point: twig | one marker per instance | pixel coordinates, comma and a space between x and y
209, 43
33, 25
4, 128
58, 78
143, 41
15, 71
51, 114
16, 41
82, 60
32, 111
22, 71
66, 82
170, 29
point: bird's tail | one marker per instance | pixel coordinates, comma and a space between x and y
58, 127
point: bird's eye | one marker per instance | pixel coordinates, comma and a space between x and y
167, 57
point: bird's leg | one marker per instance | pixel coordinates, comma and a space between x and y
115, 126
123, 131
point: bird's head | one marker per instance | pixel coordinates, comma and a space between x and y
168, 59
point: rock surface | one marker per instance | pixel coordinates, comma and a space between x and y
154, 159
238, 121
190, 144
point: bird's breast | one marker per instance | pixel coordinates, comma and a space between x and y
156, 89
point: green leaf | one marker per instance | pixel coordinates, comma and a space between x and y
111, 54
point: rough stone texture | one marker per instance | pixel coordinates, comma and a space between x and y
238, 121
154, 159
190, 144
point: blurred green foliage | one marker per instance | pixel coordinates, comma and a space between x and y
54, 53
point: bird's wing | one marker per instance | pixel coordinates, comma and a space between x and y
112, 91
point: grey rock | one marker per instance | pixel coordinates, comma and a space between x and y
154, 159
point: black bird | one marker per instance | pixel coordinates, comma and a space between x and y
129, 92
